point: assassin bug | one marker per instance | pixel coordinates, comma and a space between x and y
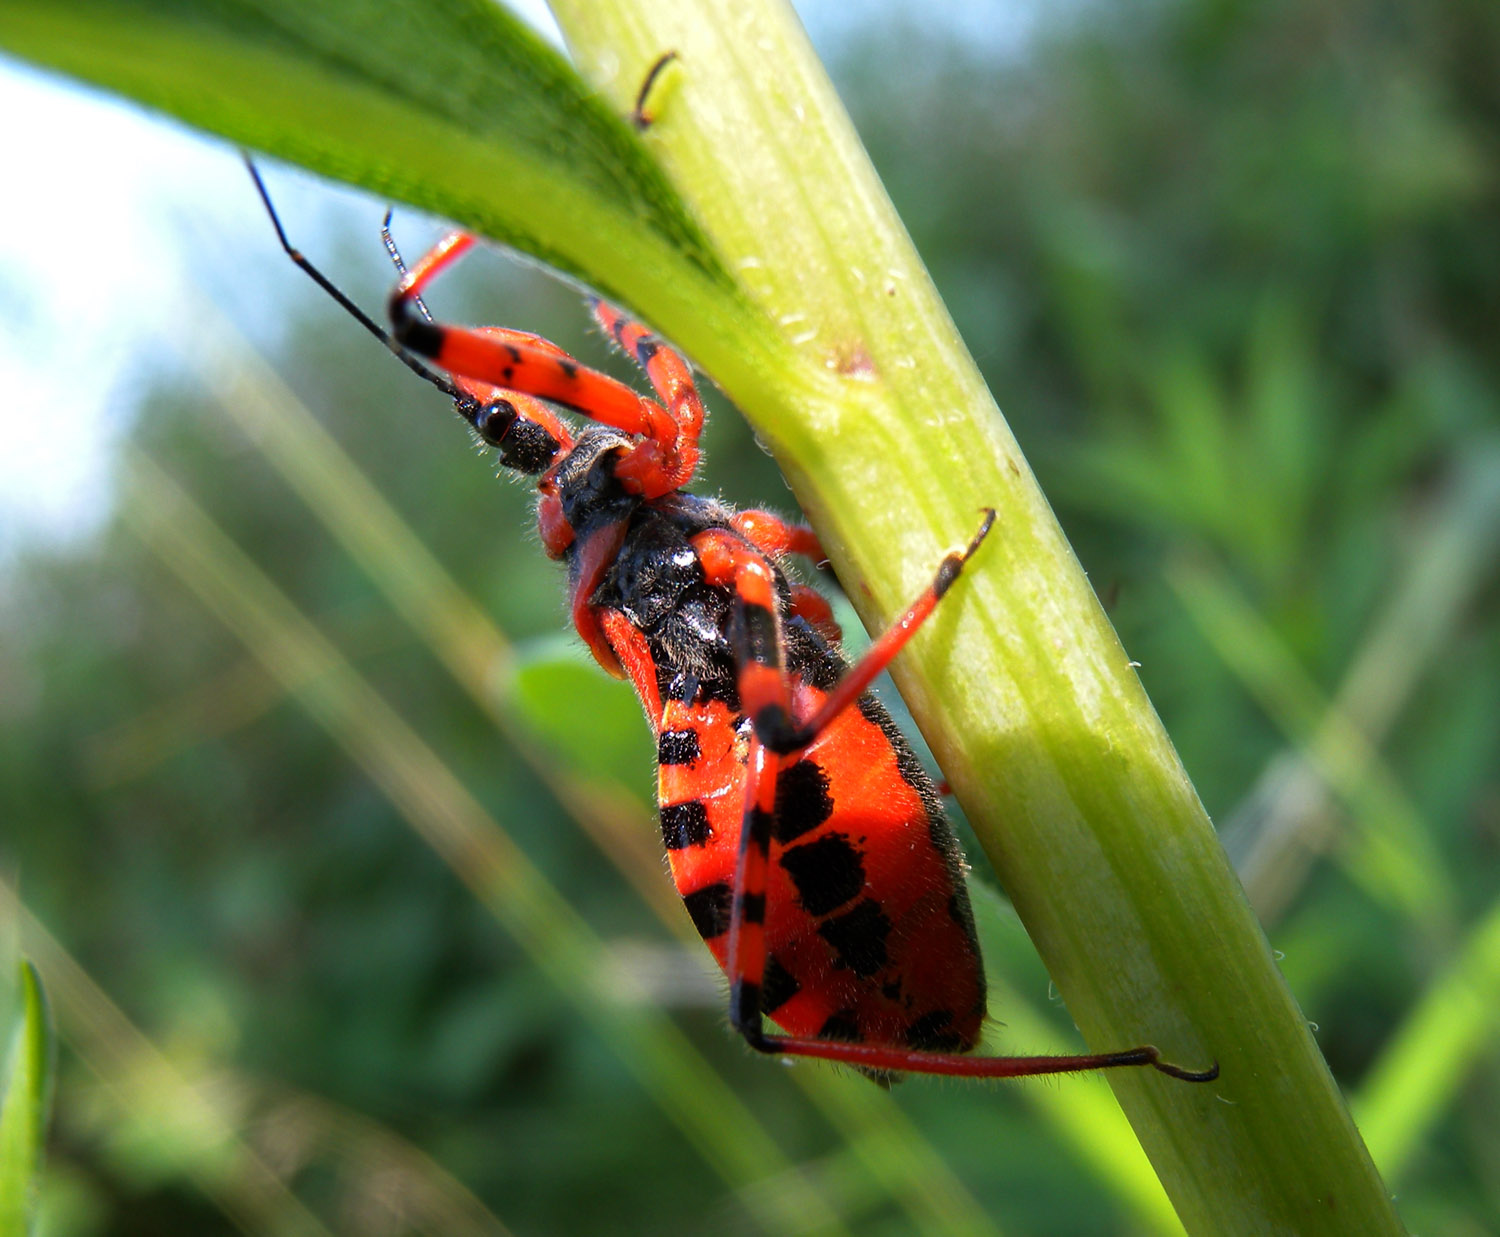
810, 848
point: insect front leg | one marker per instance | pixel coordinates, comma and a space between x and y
660, 464
518, 361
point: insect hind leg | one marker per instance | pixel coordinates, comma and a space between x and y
786, 736
764, 690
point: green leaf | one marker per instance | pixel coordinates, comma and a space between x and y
563, 697
25, 1096
455, 106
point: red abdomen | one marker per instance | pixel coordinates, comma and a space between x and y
868, 928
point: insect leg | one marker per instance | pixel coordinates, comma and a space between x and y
519, 361
772, 535
775, 538
785, 736
755, 636
756, 640
812, 606
660, 464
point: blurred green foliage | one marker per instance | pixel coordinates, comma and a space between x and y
1232, 271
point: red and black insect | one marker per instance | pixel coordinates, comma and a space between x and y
809, 846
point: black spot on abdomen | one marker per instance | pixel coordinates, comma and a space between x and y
677, 747
841, 1025
828, 872
684, 824
934, 1032
709, 909
803, 801
778, 986
858, 937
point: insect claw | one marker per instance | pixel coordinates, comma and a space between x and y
641, 116
1186, 1075
984, 531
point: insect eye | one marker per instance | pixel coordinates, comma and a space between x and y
494, 421
524, 444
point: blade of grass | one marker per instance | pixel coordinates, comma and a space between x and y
1448, 559
392, 1182
25, 1098
219, 705
1394, 859
203, 1141
250, 1191
444, 813
1436, 1047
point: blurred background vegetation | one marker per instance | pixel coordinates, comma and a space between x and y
337, 857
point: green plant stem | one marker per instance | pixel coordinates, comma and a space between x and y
1021, 686
890, 1149
805, 302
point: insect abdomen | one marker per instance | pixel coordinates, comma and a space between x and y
868, 927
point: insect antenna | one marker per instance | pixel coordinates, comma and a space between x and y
399, 262
354, 311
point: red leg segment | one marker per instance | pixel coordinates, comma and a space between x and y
658, 461
787, 736
775, 538
772, 535
745, 963
755, 626
527, 406
810, 605
755, 634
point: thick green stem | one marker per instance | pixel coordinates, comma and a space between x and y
1020, 685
